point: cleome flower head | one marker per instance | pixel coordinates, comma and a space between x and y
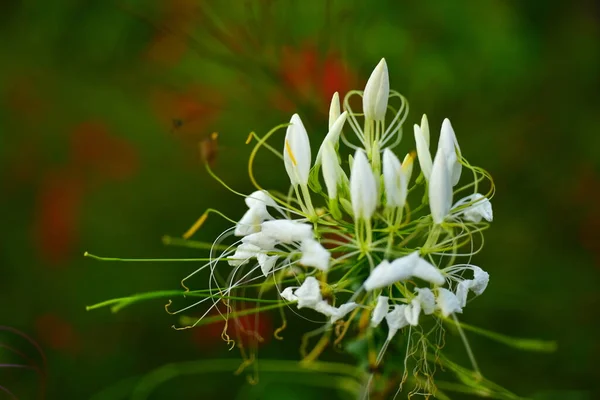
355, 243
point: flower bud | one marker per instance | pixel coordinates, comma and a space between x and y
296, 152
377, 93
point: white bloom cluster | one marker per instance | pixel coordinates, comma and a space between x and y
377, 188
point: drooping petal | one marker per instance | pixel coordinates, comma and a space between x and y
423, 153
259, 200
266, 263
426, 298
394, 181
396, 320
440, 188
309, 293
363, 188
314, 255
296, 152
335, 313
447, 302
334, 109
462, 291
377, 93
412, 312
480, 280
387, 273
288, 294
287, 231
428, 272
380, 310
481, 208
249, 223
449, 144
259, 239
243, 254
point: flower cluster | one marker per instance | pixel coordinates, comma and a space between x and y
373, 244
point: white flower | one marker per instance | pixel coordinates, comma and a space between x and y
287, 231
426, 298
309, 293
450, 146
314, 255
422, 141
380, 310
266, 263
363, 188
447, 302
243, 254
394, 180
428, 272
335, 313
334, 109
462, 291
333, 174
296, 153
481, 208
377, 92
440, 188
396, 320
387, 273
288, 294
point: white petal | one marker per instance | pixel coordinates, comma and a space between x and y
462, 291
243, 254
396, 320
333, 136
387, 273
334, 109
481, 208
407, 167
363, 188
447, 302
380, 310
425, 129
377, 92
259, 239
331, 169
428, 272
450, 146
314, 255
394, 181
296, 152
249, 223
426, 299
287, 231
336, 313
309, 293
288, 294
423, 153
412, 311
440, 188
266, 263
259, 199
480, 280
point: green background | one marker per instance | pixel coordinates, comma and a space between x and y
90, 160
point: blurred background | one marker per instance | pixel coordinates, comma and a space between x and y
103, 105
